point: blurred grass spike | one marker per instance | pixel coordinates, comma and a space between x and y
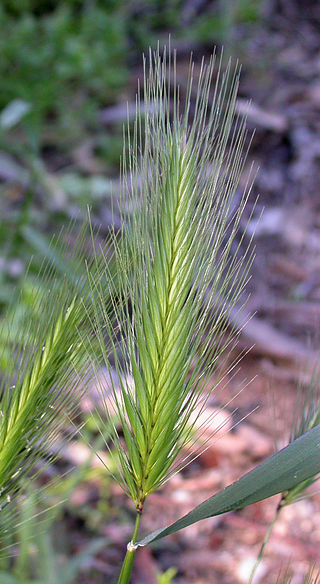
182, 263
312, 576
46, 373
306, 418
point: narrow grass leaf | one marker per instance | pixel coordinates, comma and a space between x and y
284, 470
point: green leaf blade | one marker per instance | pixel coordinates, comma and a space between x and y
282, 471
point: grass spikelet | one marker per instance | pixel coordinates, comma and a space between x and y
179, 261
312, 576
41, 383
307, 417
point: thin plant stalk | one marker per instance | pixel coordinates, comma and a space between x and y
127, 566
265, 541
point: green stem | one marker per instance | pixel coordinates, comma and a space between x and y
126, 570
265, 541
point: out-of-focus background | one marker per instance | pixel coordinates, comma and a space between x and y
67, 70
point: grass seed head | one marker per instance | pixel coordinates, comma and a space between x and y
182, 260
42, 382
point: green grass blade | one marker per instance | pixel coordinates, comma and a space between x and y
281, 472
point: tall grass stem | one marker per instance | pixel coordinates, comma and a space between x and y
265, 541
129, 559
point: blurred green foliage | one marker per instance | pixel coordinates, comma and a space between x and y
68, 52
167, 577
70, 57
40, 550
221, 24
